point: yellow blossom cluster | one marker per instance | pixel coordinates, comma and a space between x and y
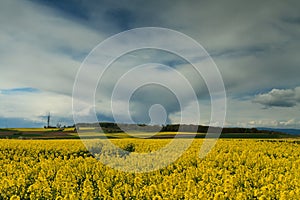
234, 169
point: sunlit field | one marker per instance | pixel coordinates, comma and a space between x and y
39, 129
234, 169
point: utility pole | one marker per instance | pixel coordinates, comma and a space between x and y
48, 120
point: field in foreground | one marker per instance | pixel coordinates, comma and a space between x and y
234, 169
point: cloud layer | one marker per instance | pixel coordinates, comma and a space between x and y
255, 45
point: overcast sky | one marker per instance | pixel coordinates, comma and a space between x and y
255, 45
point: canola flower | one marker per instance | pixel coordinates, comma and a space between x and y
234, 169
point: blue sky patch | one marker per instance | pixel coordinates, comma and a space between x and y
19, 90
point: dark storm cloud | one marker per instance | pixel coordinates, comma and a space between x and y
121, 17
75, 8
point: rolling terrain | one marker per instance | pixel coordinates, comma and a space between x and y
112, 130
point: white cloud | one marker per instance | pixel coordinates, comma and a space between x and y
279, 98
291, 123
34, 105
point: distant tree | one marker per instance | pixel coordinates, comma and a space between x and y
58, 125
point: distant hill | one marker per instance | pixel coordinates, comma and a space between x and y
113, 130
283, 130
228, 132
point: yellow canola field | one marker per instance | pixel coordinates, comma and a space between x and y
234, 169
